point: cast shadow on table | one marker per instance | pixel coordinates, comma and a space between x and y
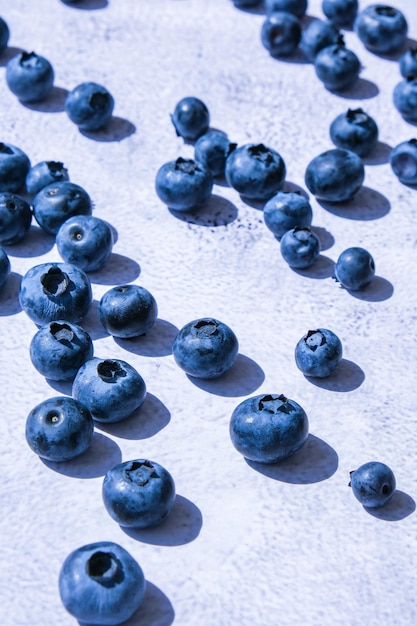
322, 268
91, 323
53, 103
182, 525
35, 243
362, 89
243, 378
155, 610
156, 342
314, 462
116, 129
9, 295
346, 377
9, 53
367, 204
86, 5
102, 455
326, 239
377, 290
400, 506
217, 211
395, 56
117, 270
378, 155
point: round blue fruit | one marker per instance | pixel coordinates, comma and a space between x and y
14, 166
286, 210
337, 67
90, 106
318, 35
4, 267
59, 349
212, 150
191, 118
354, 130
15, 218
139, 493
281, 33
111, 389
85, 241
335, 175
59, 429
318, 353
4, 35
355, 268
59, 201
183, 184
205, 348
128, 311
408, 63
55, 291
296, 7
29, 76
373, 484
255, 171
300, 247
268, 428
381, 28
101, 583
342, 13
405, 98
45, 173
403, 160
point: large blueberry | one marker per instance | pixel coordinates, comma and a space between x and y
59, 201
342, 13
268, 428
4, 267
286, 210
205, 348
318, 353
405, 98
58, 349
212, 150
127, 311
139, 493
281, 33
381, 28
29, 76
110, 388
403, 160
86, 241
354, 130
355, 268
318, 35
59, 429
296, 7
4, 35
408, 63
335, 175
191, 118
90, 106
255, 171
183, 184
45, 173
14, 166
55, 291
15, 218
101, 583
373, 484
337, 67
300, 247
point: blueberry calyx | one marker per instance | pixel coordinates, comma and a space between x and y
55, 166
62, 333
28, 59
52, 418
188, 166
105, 569
284, 407
110, 371
314, 339
99, 100
5, 149
386, 10
11, 205
209, 326
356, 116
141, 472
262, 153
55, 282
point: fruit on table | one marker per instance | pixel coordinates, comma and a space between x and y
335, 175
183, 184
405, 98
354, 130
286, 210
255, 171
59, 429
59, 201
14, 166
4, 35
408, 63
101, 583
300, 247
212, 150
268, 428
318, 353
318, 34
15, 218
138, 493
355, 268
29, 76
127, 311
85, 241
342, 13
90, 106
403, 160
373, 484
381, 28
45, 173
296, 7
191, 118
4, 267
336, 66
281, 33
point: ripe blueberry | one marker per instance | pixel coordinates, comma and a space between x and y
354, 268
318, 353
373, 484
127, 311
281, 33
296, 7
354, 130
255, 171
300, 247
337, 66
59, 201
191, 118
341, 13
335, 175
4, 35
286, 210
45, 173
403, 160
15, 218
381, 28
29, 76
183, 184
14, 166
318, 35
405, 98
408, 63
85, 241
212, 150
89, 106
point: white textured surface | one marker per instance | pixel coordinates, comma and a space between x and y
288, 545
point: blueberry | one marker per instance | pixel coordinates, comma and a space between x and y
59, 201
55, 291
286, 210
354, 268
255, 171
318, 353
110, 388
335, 175
337, 67
45, 173
300, 247
381, 28
90, 106
139, 493
205, 348
341, 13
191, 118
183, 184
85, 241
4, 267
281, 33
58, 349
354, 130
405, 98
403, 160
4, 35
29, 76
128, 311
212, 150
101, 583
15, 218
296, 7
318, 35
373, 484
268, 428
59, 429
14, 166
408, 63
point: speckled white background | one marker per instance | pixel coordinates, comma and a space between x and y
276, 546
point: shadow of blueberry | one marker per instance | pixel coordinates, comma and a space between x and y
102, 455
117, 270
182, 525
243, 378
379, 289
53, 103
314, 462
322, 268
362, 89
290, 186
367, 204
346, 377
116, 129
9, 53
217, 211
326, 239
156, 342
91, 323
86, 5
9, 295
63, 386
145, 422
155, 609
401, 505
35, 243
395, 55
378, 155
